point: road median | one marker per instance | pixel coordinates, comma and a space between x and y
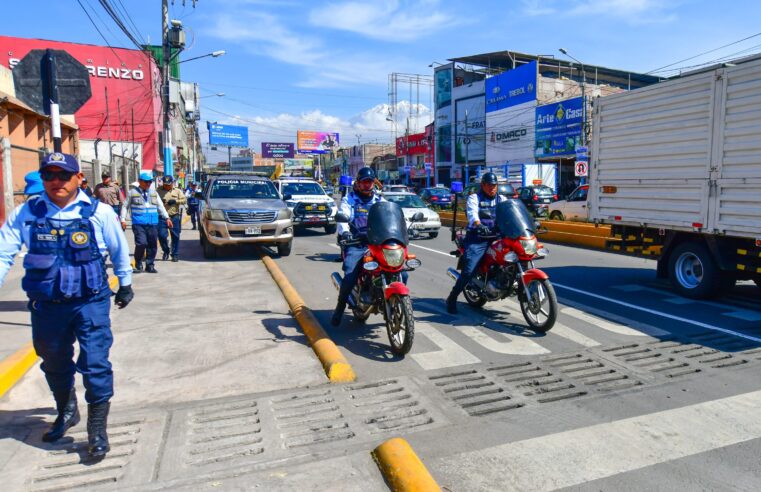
402, 469
336, 366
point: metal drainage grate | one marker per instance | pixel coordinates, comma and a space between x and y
310, 418
727, 343
474, 392
223, 432
537, 382
591, 371
387, 405
67, 466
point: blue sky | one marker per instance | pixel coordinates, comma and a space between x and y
324, 65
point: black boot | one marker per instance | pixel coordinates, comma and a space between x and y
150, 269
338, 313
138, 268
452, 303
165, 256
68, 415
97, 437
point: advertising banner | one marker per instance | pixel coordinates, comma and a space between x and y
274, 149
443, 87
227, 135
510, 135
316, 142
470, 141
517, 86
411, 145
298, 164
558, 128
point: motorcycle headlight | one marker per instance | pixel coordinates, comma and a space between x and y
283, 214
394, 257
214, 214
529, 245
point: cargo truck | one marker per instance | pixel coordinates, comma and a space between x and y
676, 172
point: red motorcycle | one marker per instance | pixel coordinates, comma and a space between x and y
507, 269
381, 287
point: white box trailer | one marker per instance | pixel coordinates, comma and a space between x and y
676, 170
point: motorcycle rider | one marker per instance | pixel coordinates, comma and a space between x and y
475, 247
355, 205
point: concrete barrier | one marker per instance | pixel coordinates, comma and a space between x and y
13, 367
402, 469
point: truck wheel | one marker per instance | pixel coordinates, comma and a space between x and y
694, 273
284, 249
556, 215
209, 250
330, 229
433, 235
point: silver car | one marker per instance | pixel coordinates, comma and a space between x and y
240, 209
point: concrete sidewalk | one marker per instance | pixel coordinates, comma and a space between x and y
197, 330
15, 326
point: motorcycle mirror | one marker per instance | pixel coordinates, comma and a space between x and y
418, 217
341, 218
287, 196
483, 214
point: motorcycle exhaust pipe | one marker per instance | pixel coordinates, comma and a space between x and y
453, 273
336, 278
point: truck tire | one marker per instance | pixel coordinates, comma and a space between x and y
330, 229
284, 249
556, 215
694, 273
209, 250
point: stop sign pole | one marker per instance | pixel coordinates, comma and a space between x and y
55, 114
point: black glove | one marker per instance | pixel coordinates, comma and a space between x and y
483, 230
172, 202
346, 236
124, 296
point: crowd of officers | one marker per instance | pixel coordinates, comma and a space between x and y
69, 231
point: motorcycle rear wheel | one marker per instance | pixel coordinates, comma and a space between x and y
400, 325
539, 305
473, 297
359, 315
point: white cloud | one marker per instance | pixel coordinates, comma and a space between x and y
386, 20
631, 11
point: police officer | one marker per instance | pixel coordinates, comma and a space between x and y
146, 208
173, 198
190, 194
355, 205
485, 199
68, 236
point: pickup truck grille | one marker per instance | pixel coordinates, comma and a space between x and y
250, 216
304, 208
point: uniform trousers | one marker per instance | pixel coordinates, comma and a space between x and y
146, 236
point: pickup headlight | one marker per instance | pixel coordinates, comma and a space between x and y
529, 245
213, 214
394, 257
284, 214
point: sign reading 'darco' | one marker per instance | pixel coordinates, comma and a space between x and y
276, 149
558, 128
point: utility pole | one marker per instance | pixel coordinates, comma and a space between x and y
467, 144
55, 117
166, 55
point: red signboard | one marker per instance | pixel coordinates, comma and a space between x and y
411, 145
128, 79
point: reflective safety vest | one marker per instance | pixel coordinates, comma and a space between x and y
144, 212
64, 261
360, 210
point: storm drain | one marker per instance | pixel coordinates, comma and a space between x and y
474, 392
537, 382
387, 405
591, 371
310, 418
68, 467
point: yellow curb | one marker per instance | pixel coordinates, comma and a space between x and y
335, 364
401, 467
113, 282
185, 219
13, 368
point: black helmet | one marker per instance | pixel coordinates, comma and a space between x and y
489, 178
366, 173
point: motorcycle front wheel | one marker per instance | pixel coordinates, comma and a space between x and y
359, 315
539, 305
400, 324
473, 296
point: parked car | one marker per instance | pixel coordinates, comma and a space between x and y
396, 188
537, 198
242, 209
412, 204
309, 204
437, 197
329, 190
572, 208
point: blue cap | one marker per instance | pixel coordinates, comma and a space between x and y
167, 180
64, 161
145, 176
33, 183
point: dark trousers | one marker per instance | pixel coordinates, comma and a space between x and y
55, 327
165, 232
474, 251
145, 242
193, 211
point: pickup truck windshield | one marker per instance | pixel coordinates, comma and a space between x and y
243, 188
302, 189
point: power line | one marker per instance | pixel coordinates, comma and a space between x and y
704, 53
115, 17
132, 22
99, 31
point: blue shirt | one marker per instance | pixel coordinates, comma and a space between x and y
108, 233
347, 207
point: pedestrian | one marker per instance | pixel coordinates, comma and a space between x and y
85, 188
193, 202
146, 209
173, 199
109, 193
67, 236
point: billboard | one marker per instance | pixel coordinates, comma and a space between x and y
297, 164
516, 86
443, 88
470, 141
412, 144
242, 163
316, 142
275, 149
227, 135
510, 135
558, 128
132, 80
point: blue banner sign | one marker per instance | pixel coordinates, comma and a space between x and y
558, 128
227, 135
511, 88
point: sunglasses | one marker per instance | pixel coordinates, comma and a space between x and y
47, 175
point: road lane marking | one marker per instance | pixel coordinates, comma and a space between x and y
611, 326
660, 313
516, 345
579, 456
450, 355
431, 250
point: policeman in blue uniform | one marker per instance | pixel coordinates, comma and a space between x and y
193, 202
68, 237
355, 205
145, 207
486, 199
